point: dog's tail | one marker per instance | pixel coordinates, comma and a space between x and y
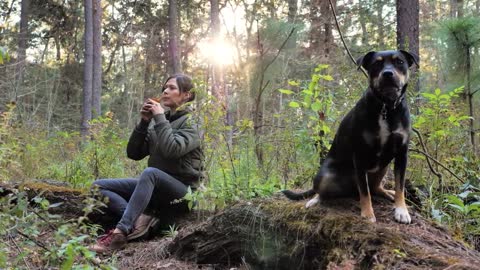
298, 196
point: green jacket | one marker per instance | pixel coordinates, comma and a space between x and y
173, 145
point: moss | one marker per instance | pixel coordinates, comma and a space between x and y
45, 187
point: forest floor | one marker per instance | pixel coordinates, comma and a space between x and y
275, 233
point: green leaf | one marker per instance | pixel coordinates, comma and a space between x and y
308, 92
457, 207
293, 83
321, 67
316, 106
429, 96
286, 91
70, 256
438, 92
454, 200
294, 104
326, 77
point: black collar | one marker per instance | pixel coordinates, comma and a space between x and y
387, 106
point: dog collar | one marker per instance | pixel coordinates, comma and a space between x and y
384, 110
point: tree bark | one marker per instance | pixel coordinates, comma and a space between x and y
22, 48
459, 8
408, 33
173, 32
470, 100
97, 59
217, 69
292, 11
87, 69
380, 24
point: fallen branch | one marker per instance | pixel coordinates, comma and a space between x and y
440, 177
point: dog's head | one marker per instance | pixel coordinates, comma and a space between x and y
388, 72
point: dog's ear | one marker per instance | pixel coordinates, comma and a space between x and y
365, 61
411, 58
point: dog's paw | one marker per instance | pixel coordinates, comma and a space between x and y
370, 217
402, 215
313, 201
386, 193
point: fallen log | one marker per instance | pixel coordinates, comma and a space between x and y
276, 233
68, 202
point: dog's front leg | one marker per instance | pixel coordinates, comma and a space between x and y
401, 211
364, 191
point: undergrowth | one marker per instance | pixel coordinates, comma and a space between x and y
232, 172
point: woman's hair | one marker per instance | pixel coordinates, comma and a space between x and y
185, 84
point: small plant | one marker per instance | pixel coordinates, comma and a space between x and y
23, 228
171, 232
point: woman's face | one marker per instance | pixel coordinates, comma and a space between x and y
171, 96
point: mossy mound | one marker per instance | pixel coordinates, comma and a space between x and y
275, 233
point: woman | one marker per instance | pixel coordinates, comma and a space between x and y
174, 164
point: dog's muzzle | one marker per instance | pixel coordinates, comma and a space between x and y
390, 84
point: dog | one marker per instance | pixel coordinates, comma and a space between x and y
372, 134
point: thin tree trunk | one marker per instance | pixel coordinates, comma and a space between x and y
87, 69
408, 30
326, 12
22, 47
459, 8
292, 10
453, 8
97, 59
380, 23
217, 72
470, 102
173, 32
363, 23
58, 48
315, 34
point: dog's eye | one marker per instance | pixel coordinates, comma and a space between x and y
399, 61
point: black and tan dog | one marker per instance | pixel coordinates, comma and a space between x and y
371, 135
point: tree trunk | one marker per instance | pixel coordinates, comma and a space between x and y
468, 90
87, 69
218, 90
97, 59
380, 24
327, 15
453, 8
22, 48
315, 28
363, 22
408, 30
459, 8
173, 32
292, 10
279, 234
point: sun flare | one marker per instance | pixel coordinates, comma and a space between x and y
218, 51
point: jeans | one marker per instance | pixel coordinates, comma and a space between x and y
155, 190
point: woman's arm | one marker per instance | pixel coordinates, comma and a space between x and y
137, 147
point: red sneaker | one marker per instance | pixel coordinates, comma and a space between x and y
109, 242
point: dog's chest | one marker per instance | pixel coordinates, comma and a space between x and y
383, 132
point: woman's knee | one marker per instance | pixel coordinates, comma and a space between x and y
151, 174
97, 184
